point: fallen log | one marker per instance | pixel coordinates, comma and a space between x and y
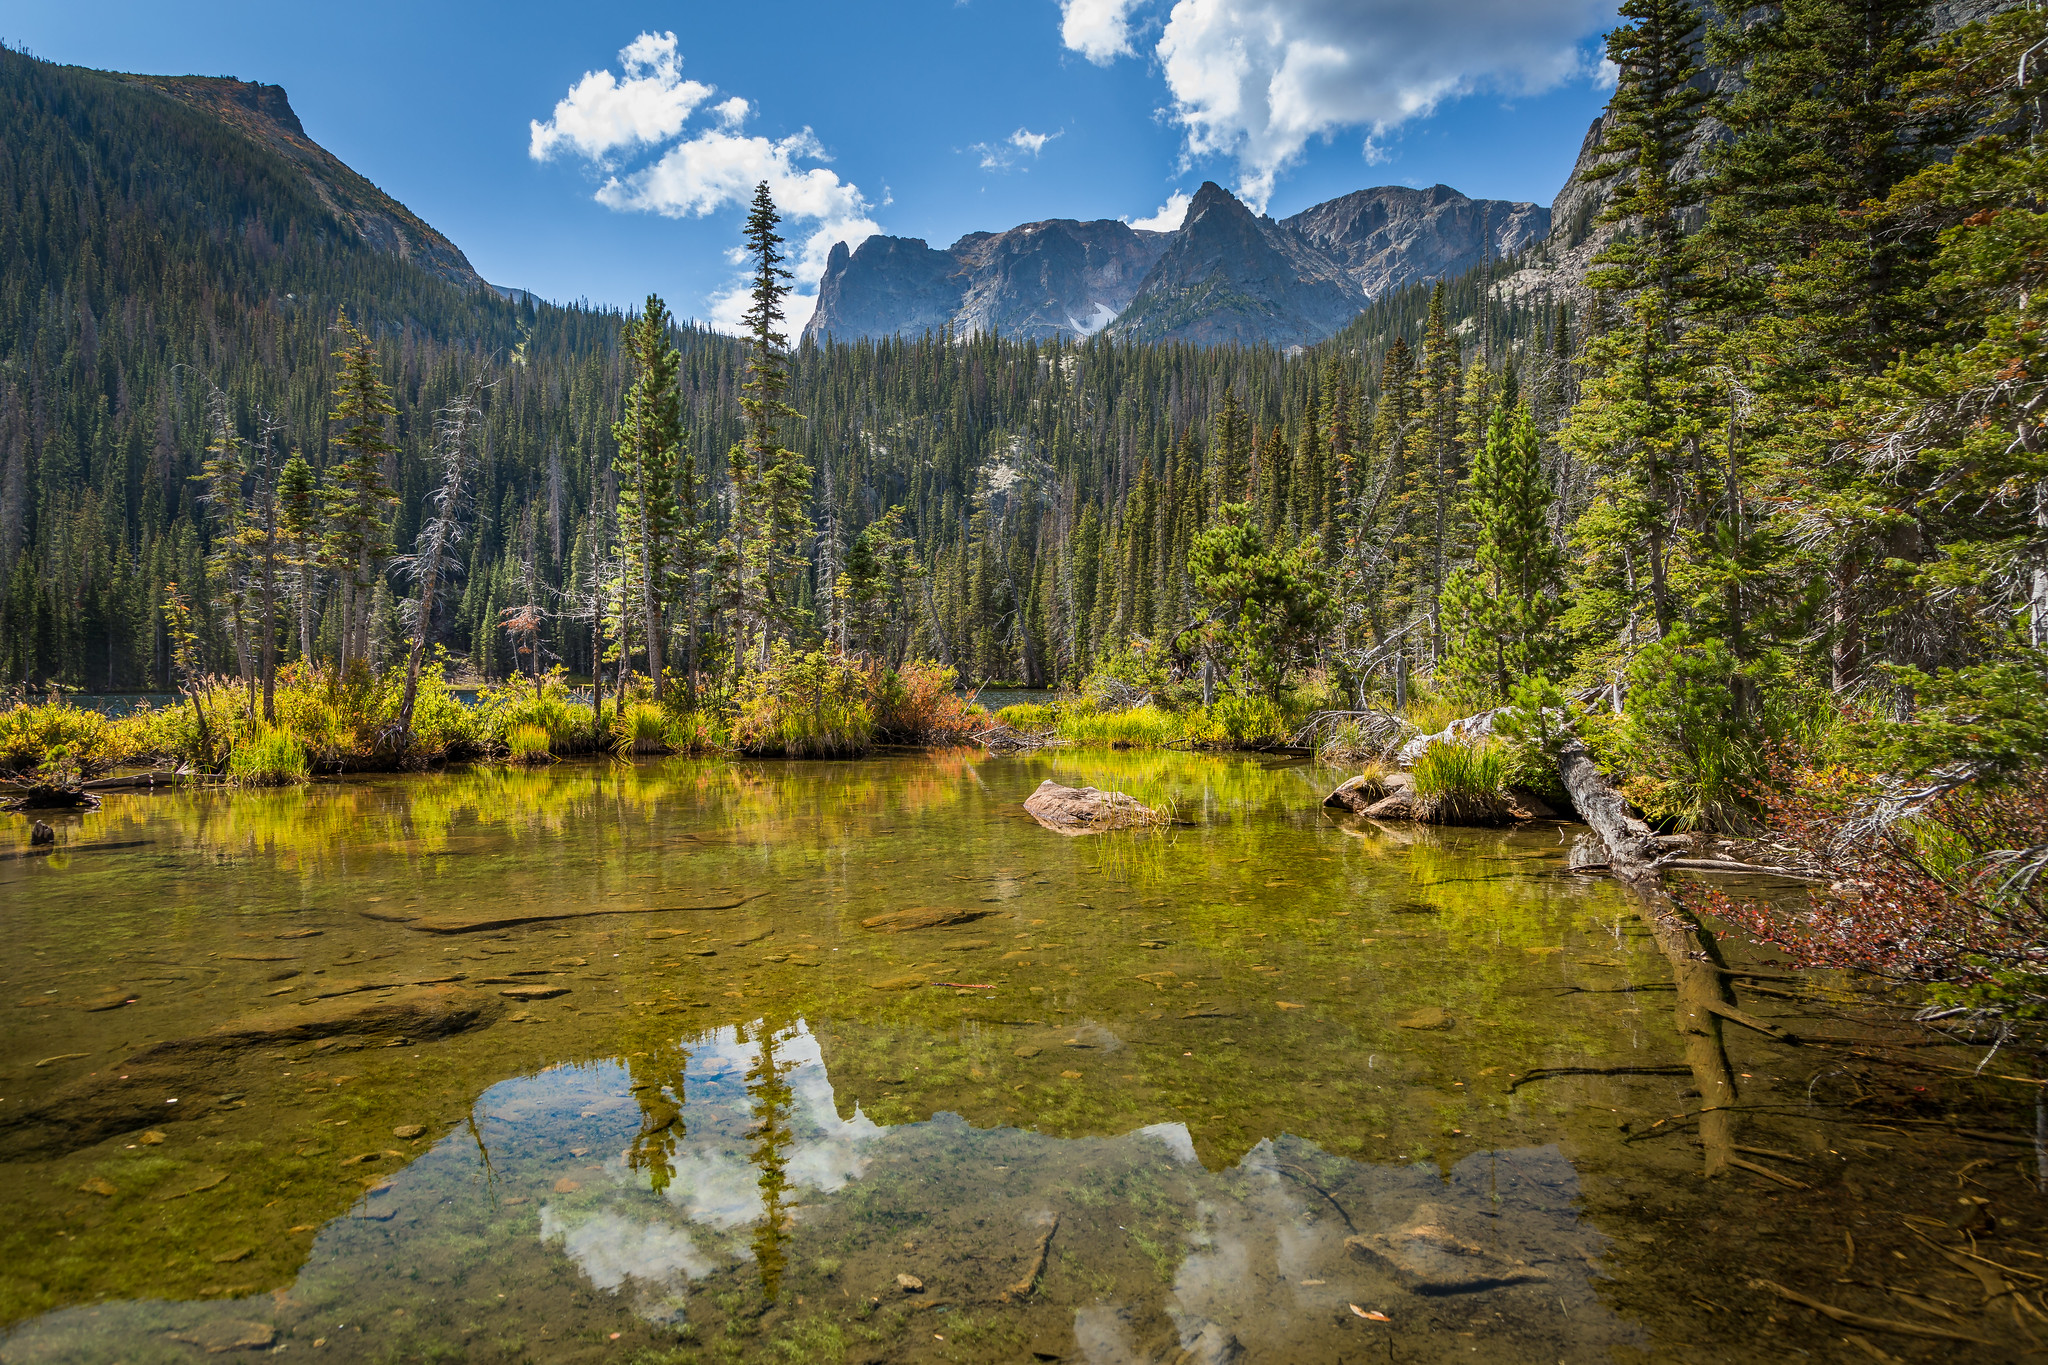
1023, 1287
437, 924
1697, 967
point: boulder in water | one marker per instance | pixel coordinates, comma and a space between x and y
1086, 810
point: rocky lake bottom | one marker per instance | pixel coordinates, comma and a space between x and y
696, 1060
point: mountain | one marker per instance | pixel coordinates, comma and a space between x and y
264, 115
1041, 280
1225, 275
1230, 275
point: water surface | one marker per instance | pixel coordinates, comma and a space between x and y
468, 1067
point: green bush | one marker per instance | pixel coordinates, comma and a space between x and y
696, 732
804, 705
1029, 716
59, 740
269, 758
1250, 720
1695, 734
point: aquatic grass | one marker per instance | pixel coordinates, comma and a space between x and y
528, 744
644, 729
1461, 783
1139, 727
1030, 716
696, 732
270, 758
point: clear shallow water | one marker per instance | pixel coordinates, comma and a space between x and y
1251, 1073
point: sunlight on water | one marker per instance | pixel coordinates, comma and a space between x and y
606, 1062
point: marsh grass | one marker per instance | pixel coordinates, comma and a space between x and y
644, 730
1458, 783
270, 758
1141, 727
528, 744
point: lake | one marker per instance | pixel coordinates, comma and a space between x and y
602, 1062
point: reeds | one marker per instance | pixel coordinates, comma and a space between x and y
1459, 783
269, 758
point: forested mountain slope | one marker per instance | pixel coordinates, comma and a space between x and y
151, 249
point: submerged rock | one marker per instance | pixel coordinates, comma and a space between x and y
1433, 1260
1086, 810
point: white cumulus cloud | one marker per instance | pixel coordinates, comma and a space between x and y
710, 168
602, 113
1099, 30
1167, 218
1256, 80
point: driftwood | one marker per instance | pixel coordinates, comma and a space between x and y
1869, 1324
1023, 1287
48, 796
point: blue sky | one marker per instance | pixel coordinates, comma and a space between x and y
925, 118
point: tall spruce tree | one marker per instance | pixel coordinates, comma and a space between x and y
649, 436
1500, 609
357, 498
771, 483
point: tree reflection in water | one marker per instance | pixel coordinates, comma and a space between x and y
768, 1086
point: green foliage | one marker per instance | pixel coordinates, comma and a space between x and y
643, 729
528, 744
1265, 606
1697, 730
804, 705
1029, 716
1991, 717
1500, 609
59, 740
1142, 727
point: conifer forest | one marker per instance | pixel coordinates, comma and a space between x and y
1653, 612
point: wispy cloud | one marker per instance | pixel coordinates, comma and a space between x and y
1000, 156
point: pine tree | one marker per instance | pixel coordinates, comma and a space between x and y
298, 524
1500, 609
648, 437
357, 499
771, 483
1827, 121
